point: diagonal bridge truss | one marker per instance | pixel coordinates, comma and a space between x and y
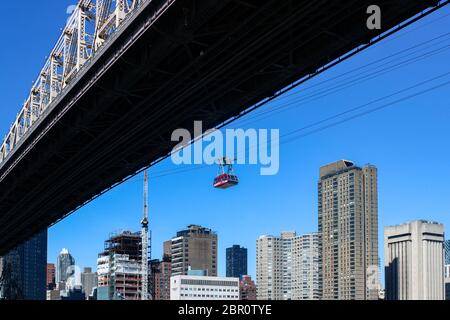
88, 28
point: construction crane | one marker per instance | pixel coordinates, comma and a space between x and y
144, 235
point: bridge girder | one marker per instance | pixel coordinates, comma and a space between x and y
74, 47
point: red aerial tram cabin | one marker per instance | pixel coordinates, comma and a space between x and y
225, 181
226, 178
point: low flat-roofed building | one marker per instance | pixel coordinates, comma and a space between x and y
203, 288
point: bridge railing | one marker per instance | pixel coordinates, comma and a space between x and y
92, 24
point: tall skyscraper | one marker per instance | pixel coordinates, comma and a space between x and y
236, 261
195, 248
51, 276
348, 231
414, 261
287, 267
88, 281
305, 267
64, 266
24, 270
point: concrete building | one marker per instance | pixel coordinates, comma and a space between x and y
287, 267
414, 261
203, 288
160, 274
348, 231
89, 281
118, 268
167, 248
64, 266
236, 257
195, 248
51, 276
274, 267
305, 267
247, 288
23, 271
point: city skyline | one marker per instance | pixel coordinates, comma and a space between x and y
293, 259
268, 208
222, 264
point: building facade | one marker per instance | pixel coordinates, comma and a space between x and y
414, 261
203, 288
287, 267
54, 295
161, 271
88, 281
305, 267
247, 288
348, 231
73, 294
119, 268
23, 274
447, 271
274, 267
447, 288
447, 258
236, 261
195, 248
65, 264
51, 276
447, 252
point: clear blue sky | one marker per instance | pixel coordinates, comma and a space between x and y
408, 142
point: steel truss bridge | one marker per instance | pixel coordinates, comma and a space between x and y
125, 74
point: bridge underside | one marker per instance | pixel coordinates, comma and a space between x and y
200, 60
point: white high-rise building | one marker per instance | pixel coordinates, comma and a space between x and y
287, 267
274, 267
184, 287
414, 261
305, 267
